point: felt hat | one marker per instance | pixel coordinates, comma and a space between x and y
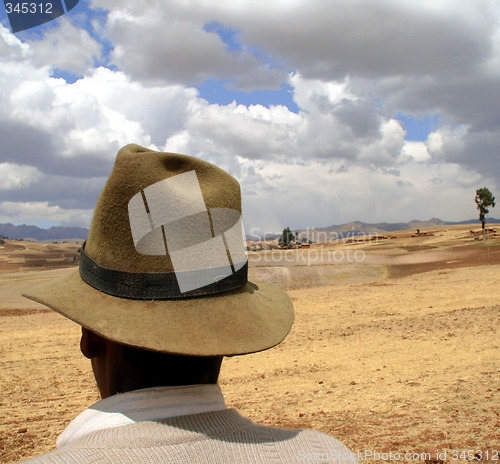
164, 267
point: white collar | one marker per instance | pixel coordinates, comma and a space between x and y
144, 405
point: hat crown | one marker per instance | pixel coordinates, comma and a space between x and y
157, 207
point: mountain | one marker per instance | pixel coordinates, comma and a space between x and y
358, 228
380, 227
54, 233
351, 228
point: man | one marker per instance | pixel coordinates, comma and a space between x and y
162, 295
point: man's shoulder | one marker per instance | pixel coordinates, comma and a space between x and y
310, 446
219, 437
324, 447
48, 458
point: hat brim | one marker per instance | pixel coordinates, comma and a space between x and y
253, 318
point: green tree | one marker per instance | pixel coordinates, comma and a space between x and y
484, 199
287, 237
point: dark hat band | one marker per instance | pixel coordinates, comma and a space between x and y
155, 285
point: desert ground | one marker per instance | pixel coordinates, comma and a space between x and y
395, 348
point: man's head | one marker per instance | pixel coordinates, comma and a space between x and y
119, 368
164, 270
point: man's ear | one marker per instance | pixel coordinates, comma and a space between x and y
91, 344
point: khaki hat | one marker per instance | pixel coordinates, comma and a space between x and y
164, 266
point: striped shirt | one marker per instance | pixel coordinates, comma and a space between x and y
144, 405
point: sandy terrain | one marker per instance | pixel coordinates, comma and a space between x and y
390, 354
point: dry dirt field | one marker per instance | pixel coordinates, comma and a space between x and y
390, 354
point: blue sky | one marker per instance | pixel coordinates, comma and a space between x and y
418, 128
302, 104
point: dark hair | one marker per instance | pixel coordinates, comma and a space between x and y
151, 368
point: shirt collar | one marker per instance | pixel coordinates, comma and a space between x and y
144, 405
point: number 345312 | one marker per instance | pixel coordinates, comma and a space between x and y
29, 8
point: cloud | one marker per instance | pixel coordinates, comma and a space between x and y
13, 176
327, 128
343, 155
41, 212
67, 48
236, 130
52, 125
417, 150
478, 151
27, 184
313, 196
167, 42
370, 39
158, 111
423, 57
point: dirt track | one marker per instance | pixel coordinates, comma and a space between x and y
384, 363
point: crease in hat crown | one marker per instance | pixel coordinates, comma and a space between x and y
242, 317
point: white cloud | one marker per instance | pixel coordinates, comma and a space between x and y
159, 110
335, 125
476, 151
236, 130
388, 150
67, 47
329, 41
41, 212
11, 48
417, 150
315, 196
50, 124
13, 176
343, 156
311, 94
166, 42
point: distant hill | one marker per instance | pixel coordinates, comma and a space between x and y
54, 233
351, 228
359, 228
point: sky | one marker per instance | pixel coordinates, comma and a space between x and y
325, 111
